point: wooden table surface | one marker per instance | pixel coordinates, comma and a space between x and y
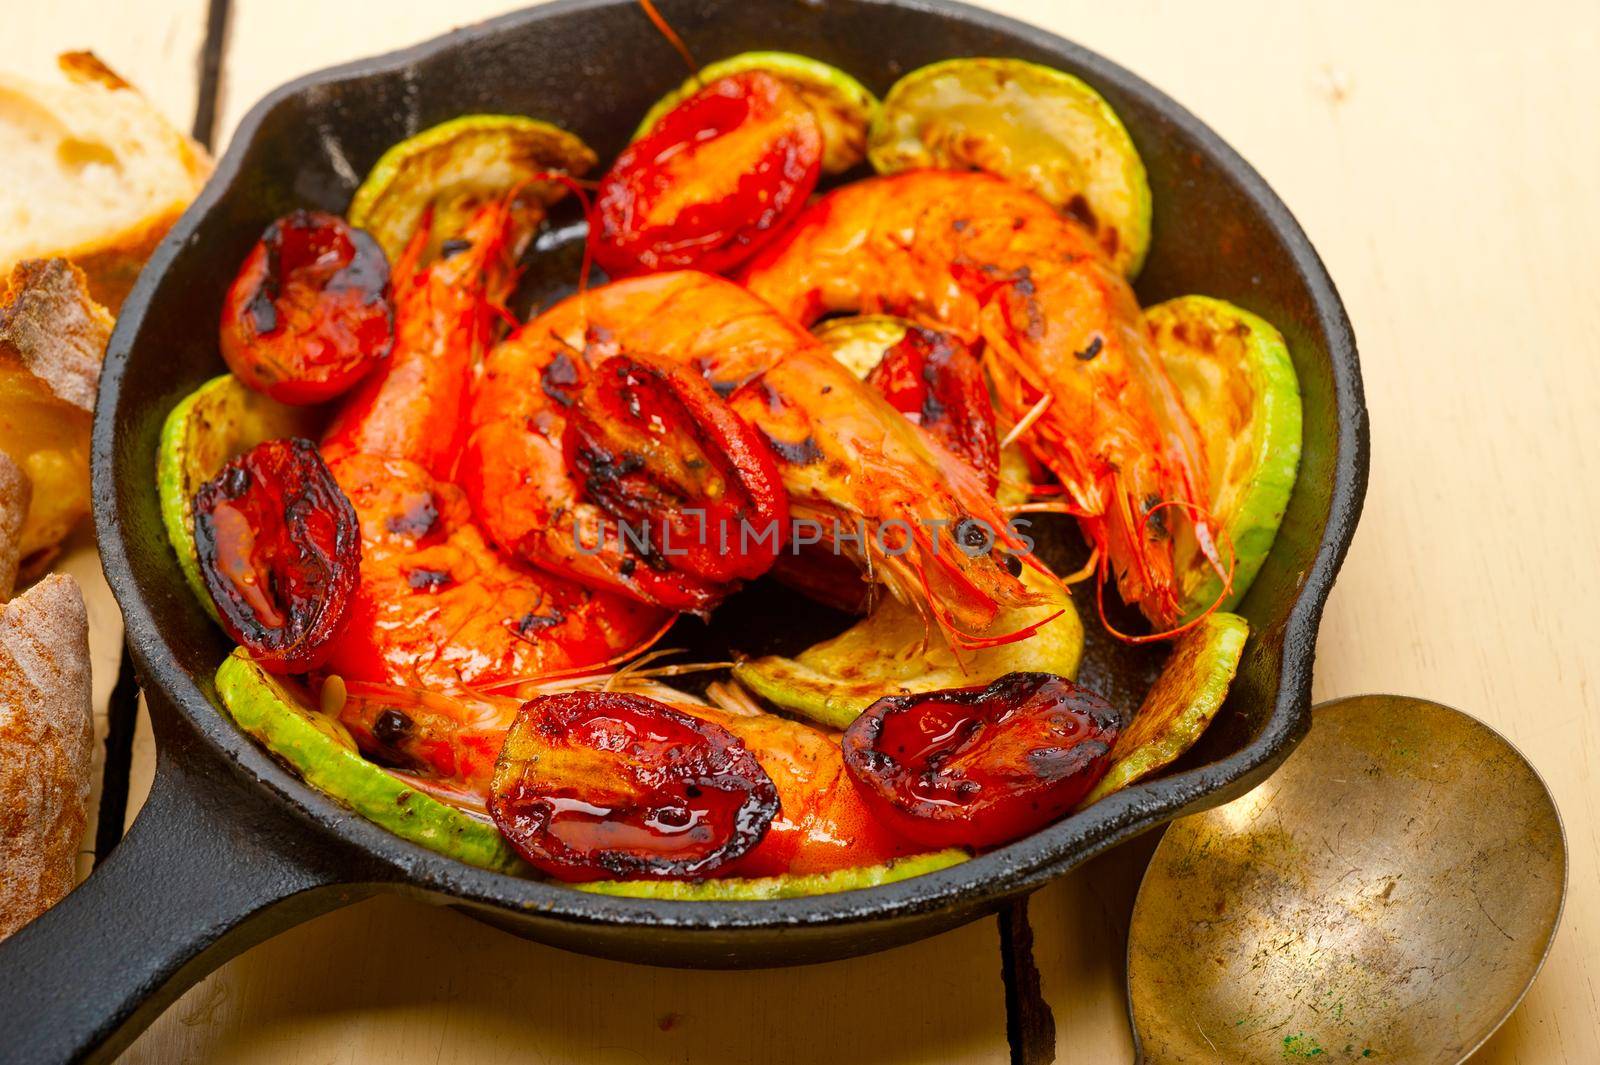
1444, 159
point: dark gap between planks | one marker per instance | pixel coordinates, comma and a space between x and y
122, 711
1030, 1026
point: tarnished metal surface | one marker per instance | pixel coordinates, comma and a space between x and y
1387, 896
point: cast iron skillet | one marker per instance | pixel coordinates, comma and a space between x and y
232, 848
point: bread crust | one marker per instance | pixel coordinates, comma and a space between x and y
52, 341
86, 67
51, 327
113, 262
113, 259
16, 492
46, 745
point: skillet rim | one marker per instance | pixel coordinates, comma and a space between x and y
981, 883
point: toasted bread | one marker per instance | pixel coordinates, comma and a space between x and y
46, 743
16, 492
93, 173
52, 339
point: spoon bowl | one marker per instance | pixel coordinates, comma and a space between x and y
1388, 895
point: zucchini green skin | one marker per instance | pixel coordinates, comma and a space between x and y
217, 422
318, 748
778, 887
1033, 125
1185, 697
1233, 371
844, 107
457, 166
832, 682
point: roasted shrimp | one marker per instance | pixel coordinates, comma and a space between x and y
445, 313
1060, 333
435, 605
856, 469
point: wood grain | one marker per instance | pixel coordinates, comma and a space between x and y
156, 47
267, 46
1439, 159
394, 981
1443, 158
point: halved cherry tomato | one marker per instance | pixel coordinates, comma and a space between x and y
713, 179
978, 767
279, 548
310, 312
934, 379
593, 785
657, 448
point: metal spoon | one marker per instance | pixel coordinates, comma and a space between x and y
1387, 896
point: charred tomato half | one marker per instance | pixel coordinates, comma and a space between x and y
979, 767
310, 311
279, 549
712, 180
934, 379
657, 448
594, 785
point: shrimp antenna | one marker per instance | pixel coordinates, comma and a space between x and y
961, 640
644, 668
670, 34
1202, 519
732, 697
576, 187
511, 685
1025, 423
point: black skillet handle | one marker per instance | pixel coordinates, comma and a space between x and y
207, 870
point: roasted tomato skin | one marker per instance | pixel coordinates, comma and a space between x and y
594, 785
310, 311
656, 447
279, 547
936, 381
978, 767
711, 182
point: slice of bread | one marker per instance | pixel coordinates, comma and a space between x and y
46, 745
52, 339
91, 172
